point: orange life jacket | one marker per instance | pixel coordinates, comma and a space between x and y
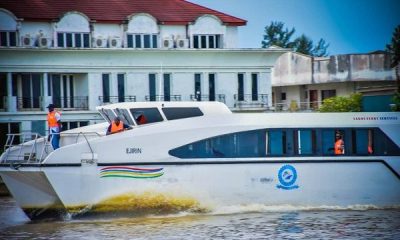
52, 120
339, 147
115, 128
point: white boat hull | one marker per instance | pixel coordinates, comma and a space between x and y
209, 187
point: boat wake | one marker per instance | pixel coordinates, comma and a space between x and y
257, 208
89, 212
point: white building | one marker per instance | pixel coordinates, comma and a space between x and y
81, 54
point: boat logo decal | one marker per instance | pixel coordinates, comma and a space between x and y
130, 172
287, 176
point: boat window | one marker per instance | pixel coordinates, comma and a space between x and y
123, 114
172, 113
289, 142
383, 145
108, 114
362, 141
146, 115
276, 142
240, 144
328, 141
306, 141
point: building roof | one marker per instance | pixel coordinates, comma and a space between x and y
169, 12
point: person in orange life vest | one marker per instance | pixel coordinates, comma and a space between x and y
339, 144
141, 119
54, 122
117, 126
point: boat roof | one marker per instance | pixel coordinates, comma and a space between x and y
208, 108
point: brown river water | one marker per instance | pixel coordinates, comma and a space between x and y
258, 222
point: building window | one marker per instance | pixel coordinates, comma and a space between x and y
152, 86
167, 86
241, 86
254, 87
197, 86
283, 96
8, 39
211, 86
28, 90
327, 94
121, 87
68, 39
207, 41
142, 40
106, 87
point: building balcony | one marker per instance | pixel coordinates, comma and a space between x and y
116, 99
251, 101
72, 103
295, 106
160, 98
217, 97
29, 103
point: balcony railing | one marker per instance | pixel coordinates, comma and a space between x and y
251, 101
28, 103
159, 98
72, 103
295, 106
217, 97
115, 99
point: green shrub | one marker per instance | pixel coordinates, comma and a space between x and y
342, 104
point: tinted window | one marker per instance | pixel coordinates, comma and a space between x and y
362, 141
241, 144
328, 141
78, 40
146, 41
108, 114
130, 40
276, 142
305, 141
146, 115
60, 39
123, 114
177, 113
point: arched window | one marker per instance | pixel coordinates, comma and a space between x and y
207, 32
142, 32
73, 30
8, 29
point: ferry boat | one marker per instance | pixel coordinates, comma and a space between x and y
199, 157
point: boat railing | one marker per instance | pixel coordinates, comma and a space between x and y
34, 148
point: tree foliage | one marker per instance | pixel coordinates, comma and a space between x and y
394, 49
342, 104
276, 34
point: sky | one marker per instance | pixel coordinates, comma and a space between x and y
349, 26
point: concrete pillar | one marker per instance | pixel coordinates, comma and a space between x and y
46, 100
11, 101
205, 85
160, 85
95, 86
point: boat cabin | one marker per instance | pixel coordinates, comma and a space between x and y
151, 112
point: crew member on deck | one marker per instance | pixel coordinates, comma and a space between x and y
339, 144
117, 126
54, 122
